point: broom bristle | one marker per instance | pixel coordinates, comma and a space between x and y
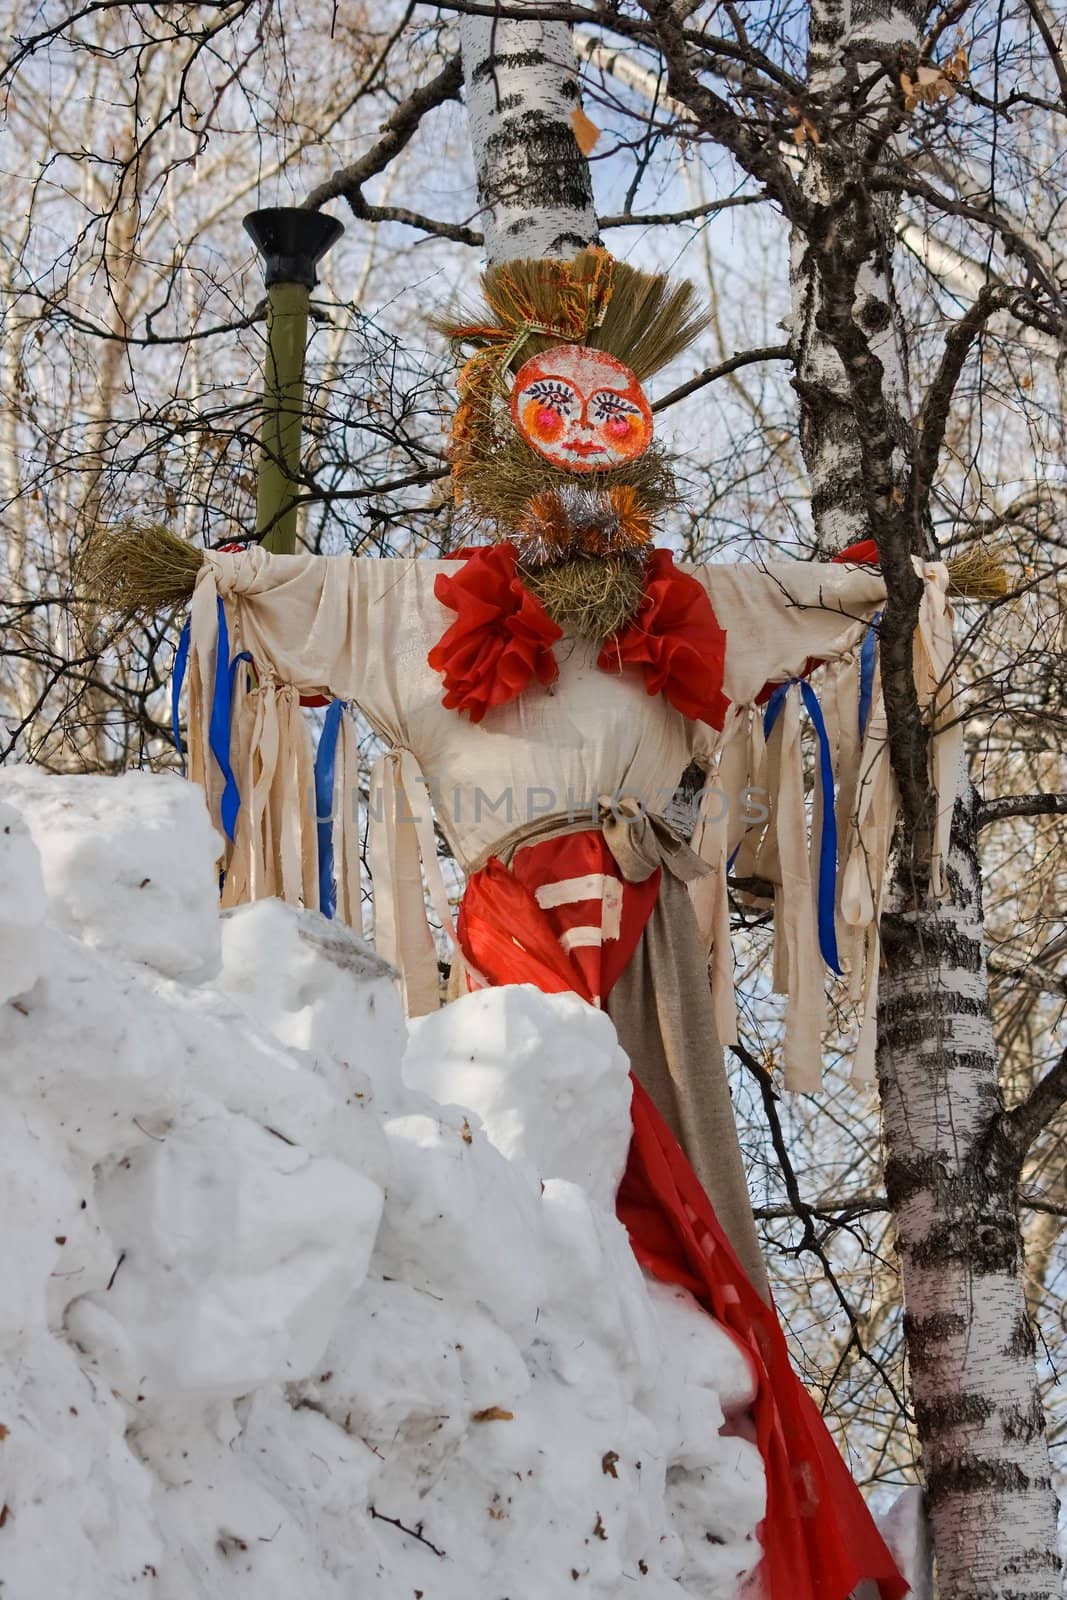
138, 568
980, 574
499, 486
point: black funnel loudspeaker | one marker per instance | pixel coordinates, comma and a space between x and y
292, 242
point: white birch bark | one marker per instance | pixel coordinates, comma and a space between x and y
952, 1182
533, 181
826, 425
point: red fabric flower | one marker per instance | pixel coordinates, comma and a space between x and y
676, 641
501, 639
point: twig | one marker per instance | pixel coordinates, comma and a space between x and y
414, 1533
347, 182
807, 1216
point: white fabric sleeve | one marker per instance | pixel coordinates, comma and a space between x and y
779, 615
341, 626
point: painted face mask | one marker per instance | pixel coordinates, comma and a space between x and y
581, 409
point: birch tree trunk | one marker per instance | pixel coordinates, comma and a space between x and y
827, 418
522, 89
952, 1176
953, 1157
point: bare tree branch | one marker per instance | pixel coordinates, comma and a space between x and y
747, 358
1021, 805
347, 183
1045, 1101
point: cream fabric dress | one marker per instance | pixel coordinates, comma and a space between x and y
359, 629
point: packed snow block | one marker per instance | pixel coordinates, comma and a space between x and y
238, 1251
596, 1313
407, 1372
906, 1530
716, 1485
545, 1073
706, 1354
22, 906
79, 1523
317, 986
38, 1204
92, 1048
128, 862
225, 1368
711, 1509
462, 1222
310, 1099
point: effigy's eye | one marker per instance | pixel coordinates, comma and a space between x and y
607, 404
553, 395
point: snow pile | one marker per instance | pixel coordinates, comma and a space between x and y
277, 1322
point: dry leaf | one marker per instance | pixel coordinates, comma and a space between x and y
465, 1132
804, 130
607, 1464
957, 67
4, 1431
586, 132
493, 1414
931, 84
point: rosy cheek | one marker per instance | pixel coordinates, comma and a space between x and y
619, 427
542, 422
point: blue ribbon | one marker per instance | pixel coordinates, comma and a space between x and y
867, 657
325, 761
181, 661
219, 725
827, 892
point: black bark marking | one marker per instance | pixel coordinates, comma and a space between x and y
1023, 1424
874, 314
953, 1411
967, 1475
926, 1335
985, 1245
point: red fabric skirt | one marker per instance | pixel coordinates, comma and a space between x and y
563, 919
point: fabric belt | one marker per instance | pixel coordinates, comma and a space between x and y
639, 841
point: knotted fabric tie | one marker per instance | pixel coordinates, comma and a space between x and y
641, 842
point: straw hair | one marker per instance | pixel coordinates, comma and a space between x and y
649, 321
590, 598
640, 318
138, 568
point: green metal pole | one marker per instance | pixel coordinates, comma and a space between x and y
283, 417
291, 242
